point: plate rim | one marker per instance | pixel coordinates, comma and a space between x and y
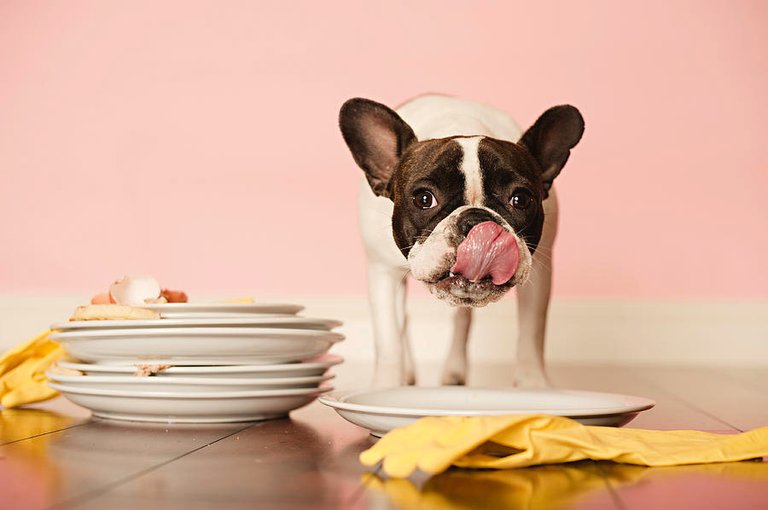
334, 400
207, 395
69, 326
180, 381
331, 360
106, 333
221, 306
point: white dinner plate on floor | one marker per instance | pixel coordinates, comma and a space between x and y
222, 345
312, 367
188, 310
381, 410
179, 384
275, 321
205, 407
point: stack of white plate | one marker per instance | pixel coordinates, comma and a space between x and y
202, 363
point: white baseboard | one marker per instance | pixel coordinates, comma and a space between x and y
580, 330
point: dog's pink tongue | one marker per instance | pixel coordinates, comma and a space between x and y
487, 250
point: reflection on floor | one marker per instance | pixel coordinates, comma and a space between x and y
56, 456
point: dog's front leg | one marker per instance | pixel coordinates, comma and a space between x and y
386, 294
533, 305
455, 368
409, 365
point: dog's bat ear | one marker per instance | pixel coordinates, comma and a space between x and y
551, 139
377, 137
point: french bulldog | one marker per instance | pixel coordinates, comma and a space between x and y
454, 194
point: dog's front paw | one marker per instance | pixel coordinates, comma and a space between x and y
531, 380
455, 370
451, 378
393, 378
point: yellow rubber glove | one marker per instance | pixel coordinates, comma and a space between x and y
432, 445
22, 371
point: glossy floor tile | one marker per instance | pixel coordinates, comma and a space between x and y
54, 456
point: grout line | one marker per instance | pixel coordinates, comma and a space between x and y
682, 400
615, 497
83, 498
742, 383
362, 488
85, 422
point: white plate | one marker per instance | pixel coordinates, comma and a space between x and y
204, 407
274, 321
209, 310
383, 410
179, 384
218, 315
313, 367
188, 346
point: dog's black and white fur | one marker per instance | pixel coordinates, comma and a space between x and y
433, 169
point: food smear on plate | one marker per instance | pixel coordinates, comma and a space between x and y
145, 369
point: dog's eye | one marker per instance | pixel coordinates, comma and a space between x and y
424, 199
521, 199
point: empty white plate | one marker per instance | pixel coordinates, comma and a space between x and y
184, 384
385, 409
203, 407
274, 321
200, 310
313, 367
197, 346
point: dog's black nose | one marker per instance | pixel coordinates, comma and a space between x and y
472, 217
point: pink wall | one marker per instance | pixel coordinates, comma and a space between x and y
197, 141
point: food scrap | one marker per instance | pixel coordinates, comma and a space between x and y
125, 299
144, 369
137, 291
112, 312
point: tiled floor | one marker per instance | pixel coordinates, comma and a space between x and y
56, 457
